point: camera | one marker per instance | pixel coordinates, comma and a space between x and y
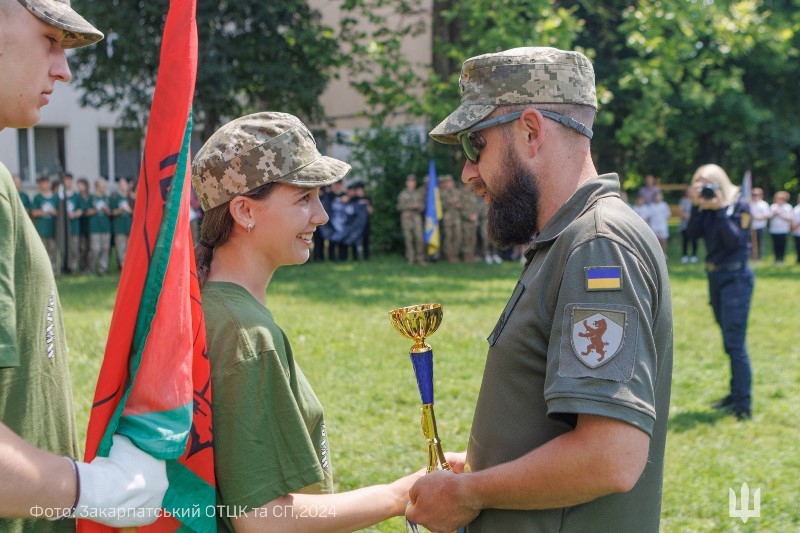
708, 192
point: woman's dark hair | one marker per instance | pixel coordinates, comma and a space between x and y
216, 228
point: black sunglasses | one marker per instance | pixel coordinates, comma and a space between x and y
473, 142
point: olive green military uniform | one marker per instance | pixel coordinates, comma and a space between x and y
470, 211
451, 220
596, 341
411, 205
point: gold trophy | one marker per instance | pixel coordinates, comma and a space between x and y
417, 322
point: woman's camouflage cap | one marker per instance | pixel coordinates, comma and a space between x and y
257, 149
531, 75
60, 14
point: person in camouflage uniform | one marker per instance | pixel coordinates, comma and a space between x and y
470, 211
411, 204
451, 217
570, 423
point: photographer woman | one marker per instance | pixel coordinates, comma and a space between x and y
722, 218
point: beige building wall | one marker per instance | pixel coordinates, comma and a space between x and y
343, 105
81, 127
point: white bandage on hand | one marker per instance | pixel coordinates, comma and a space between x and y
124, 489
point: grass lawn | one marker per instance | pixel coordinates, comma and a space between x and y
336, 317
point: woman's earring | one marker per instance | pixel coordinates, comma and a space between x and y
249, 227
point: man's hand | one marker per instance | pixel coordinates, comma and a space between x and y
124, 489
440, 502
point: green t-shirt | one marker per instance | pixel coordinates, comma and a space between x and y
74, 203
587, 330
121, 222
45, 224
26, 201
99, 222
269, 427
35, 388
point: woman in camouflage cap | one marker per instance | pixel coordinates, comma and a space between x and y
258, 180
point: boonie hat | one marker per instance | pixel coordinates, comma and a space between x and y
257, 149
530, 75
58, 13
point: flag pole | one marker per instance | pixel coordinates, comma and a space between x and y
747, 194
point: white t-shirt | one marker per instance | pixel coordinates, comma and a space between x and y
760, 212
781, 221
643, 211
659, 219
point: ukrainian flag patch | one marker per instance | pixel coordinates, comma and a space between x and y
607, 278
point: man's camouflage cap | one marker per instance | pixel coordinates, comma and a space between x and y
257, 149
60, 14
532, 75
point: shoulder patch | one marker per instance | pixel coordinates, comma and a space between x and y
745, 222
603, 278
597, 335
598, 341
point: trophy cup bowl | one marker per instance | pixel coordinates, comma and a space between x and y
417, 322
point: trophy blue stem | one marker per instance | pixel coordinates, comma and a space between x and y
423, 370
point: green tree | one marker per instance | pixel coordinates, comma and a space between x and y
373, 36
686, 89
253, 55
389, 82
680, 82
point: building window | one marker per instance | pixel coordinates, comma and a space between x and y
41, 152
120, 150
321, 137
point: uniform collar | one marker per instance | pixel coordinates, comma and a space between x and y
581, 201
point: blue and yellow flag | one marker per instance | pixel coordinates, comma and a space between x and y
603, 278
154, 382
433, 211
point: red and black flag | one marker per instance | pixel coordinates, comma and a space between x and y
154, 382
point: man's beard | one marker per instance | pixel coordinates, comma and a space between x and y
511, 217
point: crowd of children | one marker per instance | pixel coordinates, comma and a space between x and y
79, 227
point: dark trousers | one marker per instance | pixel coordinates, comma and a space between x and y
688, 242
730, 294
779, 245
797, 247
319, 247
337, 251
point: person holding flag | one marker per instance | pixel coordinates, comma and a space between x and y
258, 179
38, 438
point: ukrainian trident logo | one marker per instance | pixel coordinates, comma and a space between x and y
597, 335
744, 512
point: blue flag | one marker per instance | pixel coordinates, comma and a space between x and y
433, 211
